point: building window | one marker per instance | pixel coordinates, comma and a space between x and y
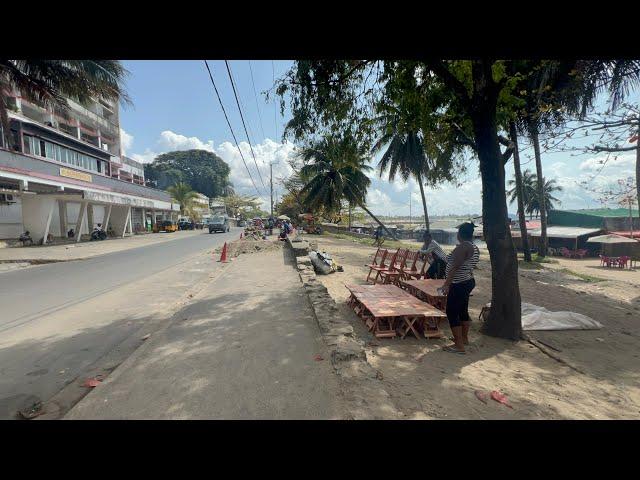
35, 146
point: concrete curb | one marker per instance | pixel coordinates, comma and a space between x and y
346, 350
368, 399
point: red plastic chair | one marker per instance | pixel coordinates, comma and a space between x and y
622, 263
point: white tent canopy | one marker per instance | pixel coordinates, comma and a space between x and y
566, 232
611, 239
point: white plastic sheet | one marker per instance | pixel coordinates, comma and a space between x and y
539, 318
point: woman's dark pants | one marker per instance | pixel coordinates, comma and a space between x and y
458, 302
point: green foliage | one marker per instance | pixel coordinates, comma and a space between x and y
50, 82
335, 168
530, 192
204, 171
183, 194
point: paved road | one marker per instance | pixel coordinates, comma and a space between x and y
29, 294
243, 348
57, 320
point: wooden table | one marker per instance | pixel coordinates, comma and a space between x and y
388, 310
427, 290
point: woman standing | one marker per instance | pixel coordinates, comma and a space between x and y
458, 286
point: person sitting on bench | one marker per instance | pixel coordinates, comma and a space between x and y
439, 263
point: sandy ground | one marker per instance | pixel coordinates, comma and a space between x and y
597, 377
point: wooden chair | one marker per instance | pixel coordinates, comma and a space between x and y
411, 268
391, 274
378, 259
382, 266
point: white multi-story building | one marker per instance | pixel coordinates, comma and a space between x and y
62, 171
200, 206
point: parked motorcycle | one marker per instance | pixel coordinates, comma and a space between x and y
98, 233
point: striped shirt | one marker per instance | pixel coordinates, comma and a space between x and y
465, 272
435, 249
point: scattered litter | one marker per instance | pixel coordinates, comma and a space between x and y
61, 372
482, 396
420, 357
318, 358
500, 398
32, 411
91, 382
379, 375
600, 339
190, 295
146, 336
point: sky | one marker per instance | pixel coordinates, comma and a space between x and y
175, 108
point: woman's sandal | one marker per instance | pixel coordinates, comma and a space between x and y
453, 340
453, 350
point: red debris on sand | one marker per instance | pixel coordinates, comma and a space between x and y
91, 382
500, 398
482, 396
318, 358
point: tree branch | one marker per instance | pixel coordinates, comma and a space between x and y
450, 80
598, 148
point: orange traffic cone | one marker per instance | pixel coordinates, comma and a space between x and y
223, 256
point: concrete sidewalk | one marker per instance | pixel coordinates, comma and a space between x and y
83, 250
243, 349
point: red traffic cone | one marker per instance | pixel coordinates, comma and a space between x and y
223, 256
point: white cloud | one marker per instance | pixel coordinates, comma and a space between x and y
171, 141
596, 163
126, 141
266, 152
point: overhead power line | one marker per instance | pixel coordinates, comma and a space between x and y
233, 85
275, 103
255, 95
231, 128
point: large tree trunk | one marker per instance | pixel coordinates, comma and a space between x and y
520, 192
505, 315
638, 172
378, 221
424, 201
542, 251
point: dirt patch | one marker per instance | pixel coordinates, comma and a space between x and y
245, 246
599, 379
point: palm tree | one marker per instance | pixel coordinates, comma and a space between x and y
405, 156
528, 189
182, 193
548, 189
334, 170
530, 193
51, 82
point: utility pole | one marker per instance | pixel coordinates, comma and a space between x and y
271, 181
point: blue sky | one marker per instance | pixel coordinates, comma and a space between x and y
175, 108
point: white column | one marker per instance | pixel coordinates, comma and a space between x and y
90, 221
128, 223
62, 213
81, 216
48, 223
105, 225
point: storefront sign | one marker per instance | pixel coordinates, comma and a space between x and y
121, 200
66, 172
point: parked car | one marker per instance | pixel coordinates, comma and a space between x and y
219, 224
186, 225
